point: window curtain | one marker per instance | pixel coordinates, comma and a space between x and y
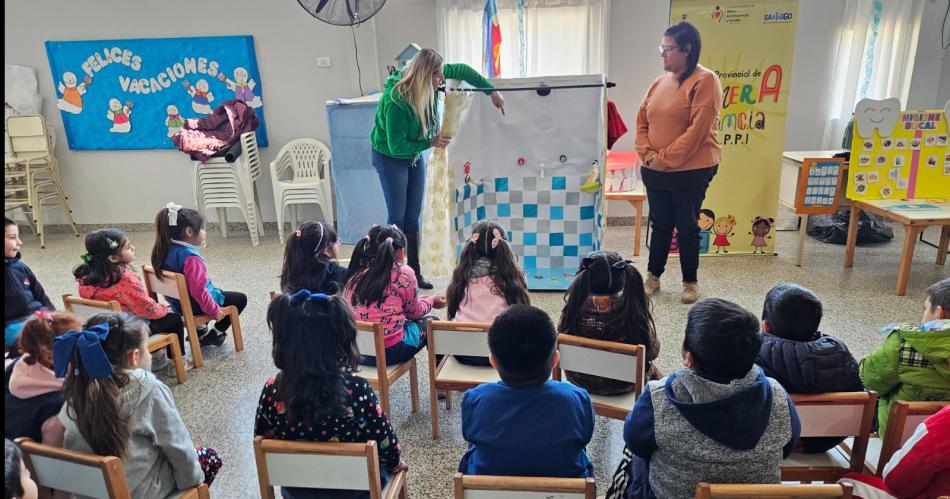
874, 58
539, 37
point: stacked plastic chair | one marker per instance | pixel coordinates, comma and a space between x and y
31, 173
308, 161
222, 185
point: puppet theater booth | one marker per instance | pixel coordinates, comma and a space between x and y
536, 170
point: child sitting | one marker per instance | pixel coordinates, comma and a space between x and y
107, 275
800, 357
486, 281
719, 420
310, 260
116, 407
315, 391
380, 288
526, 424
34, 395
17, 481
607, 301
912, 364
22, 293
177, 233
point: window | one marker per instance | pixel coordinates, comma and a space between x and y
539, 37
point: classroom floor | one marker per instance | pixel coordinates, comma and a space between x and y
218, 402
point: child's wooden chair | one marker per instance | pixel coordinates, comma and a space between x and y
370, 339
903, 419
608, 359
84, 309
831, 415
449, 339
74, 472
518, 487
324, 465
172, 285
708, 491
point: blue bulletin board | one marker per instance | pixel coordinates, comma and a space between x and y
136, 94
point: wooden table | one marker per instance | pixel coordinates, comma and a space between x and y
635, 198
914, 221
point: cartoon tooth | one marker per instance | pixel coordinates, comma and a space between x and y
882, 115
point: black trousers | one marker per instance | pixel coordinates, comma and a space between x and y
236, 299
675, 199
171, 323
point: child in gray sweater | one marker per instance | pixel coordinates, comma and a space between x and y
135, 418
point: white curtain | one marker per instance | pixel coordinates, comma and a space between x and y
874, 58
539, 37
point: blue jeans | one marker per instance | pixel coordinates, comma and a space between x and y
404, 185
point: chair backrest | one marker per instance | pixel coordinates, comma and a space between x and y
172, 285
516, 487
251, 155
458, 338
370, 338
84, 309
28, 135
309, 159
318, 465
608, 359
902, 421
708, 491
838, 414
75, 472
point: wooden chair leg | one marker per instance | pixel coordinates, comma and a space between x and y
384, 397
178, 359
414, 386
944, 244
434, 408
448, 400
192, 330
236, 328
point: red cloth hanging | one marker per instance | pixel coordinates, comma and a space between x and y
615, 125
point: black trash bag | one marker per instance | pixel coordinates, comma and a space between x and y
834, 229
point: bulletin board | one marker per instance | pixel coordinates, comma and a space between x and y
818, 186
899, 154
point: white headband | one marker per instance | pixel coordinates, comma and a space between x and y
173, 213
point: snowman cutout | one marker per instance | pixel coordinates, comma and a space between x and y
243, 87
119, 116
72, 91
201, 97
174, 122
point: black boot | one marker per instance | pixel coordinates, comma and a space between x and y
412, 255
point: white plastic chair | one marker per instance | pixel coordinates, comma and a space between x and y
309, 163
222, 185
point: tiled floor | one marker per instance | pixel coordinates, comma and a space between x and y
218, 401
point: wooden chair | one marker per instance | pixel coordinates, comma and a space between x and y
74, 472
449, 339
84, 309
173, 285
708, 491
518, 487
370, 339
903, 419
324, 465
608, 359
831, 415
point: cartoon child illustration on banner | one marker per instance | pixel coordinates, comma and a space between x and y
119, 116
201, 97
242, 86
706, 220
72, 91
174, 122
760, 229
723, 229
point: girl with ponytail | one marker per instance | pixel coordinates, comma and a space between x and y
310, 260
381, 288
116, 407
607, 301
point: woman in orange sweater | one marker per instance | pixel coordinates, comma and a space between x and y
679, 150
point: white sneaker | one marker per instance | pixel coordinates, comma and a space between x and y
652, 284
160, 361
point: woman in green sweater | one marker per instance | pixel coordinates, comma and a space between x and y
406, 125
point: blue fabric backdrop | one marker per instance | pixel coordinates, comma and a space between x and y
132, 94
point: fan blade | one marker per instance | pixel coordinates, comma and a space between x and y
349, 9
321, 5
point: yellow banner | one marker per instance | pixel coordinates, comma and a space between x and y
750, 45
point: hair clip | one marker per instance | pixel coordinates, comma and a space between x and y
622, 264
44, 314
305, 295
112, 244
172, 213
389, 240
474, 238
316, 249
85, 257
297, 232
497, 237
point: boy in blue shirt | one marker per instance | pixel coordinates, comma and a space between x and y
526, 424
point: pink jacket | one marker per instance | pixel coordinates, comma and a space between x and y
482, 303
130, 293
28, 381
402, 303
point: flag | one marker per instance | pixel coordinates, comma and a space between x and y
491, 34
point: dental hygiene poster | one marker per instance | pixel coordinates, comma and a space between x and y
137, 94
898, 154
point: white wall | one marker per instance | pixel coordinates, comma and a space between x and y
930, 63
130, 186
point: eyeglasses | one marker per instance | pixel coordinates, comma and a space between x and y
666, 48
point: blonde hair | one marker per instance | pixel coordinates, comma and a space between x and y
415, 87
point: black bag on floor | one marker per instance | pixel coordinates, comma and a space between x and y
834, 229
